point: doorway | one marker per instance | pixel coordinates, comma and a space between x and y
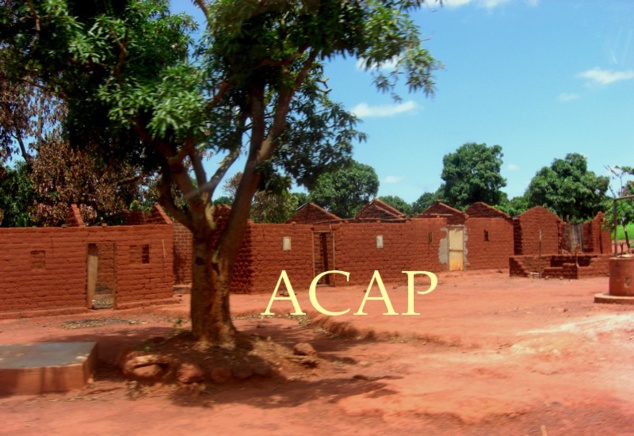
324, 256
101, 275
456, 248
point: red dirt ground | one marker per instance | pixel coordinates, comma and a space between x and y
488, 354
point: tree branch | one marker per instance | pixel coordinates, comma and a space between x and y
203, 7
123, 51
129, 180
199, 171
281, 111
289, 60
224, 87
167, 200
35, 15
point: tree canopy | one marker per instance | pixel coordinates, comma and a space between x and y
345, 191
568, 188
138, 87
471, 174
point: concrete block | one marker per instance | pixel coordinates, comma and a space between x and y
32, 369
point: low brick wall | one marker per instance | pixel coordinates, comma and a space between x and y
560, 266
44, 270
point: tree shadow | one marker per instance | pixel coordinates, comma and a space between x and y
293, 380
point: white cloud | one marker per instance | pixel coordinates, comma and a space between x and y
564, 96
455, 3
606, 77
386, 66
513, 167
488, 4
364, 110
393, 179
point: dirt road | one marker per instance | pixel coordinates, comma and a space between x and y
487, 354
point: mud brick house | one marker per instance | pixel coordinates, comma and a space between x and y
379, 210
546, 246
379, 238
310, 213
74, 268
441, 210
481, 237
489, 237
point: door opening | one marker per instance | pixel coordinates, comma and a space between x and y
101, 276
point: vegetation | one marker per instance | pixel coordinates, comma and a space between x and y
423, 202
345, 191
568, 189
16, 196
136, 88
471, 174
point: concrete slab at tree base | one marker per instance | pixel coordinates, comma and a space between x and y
31, 369
613, 299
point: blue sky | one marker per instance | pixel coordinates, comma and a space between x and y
540, 78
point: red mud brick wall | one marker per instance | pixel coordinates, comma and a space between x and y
45, 269
408, 246
264, 250
42, 268
483, 210
596, 235
311, 213
526, 232
141, 279
491, 253
454, 216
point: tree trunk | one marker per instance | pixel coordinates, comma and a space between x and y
210, 312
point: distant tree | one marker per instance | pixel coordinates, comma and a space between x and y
568, 189
398, 203
515, 206
302, 198
471, 174
225, 199
423, 202
345, 191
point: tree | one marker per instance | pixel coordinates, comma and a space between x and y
62, 175
471, 174
398, 203
515, 206
31, 117
302, 198
137, 87
424, 201
568, 189
345, 191
16, 196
